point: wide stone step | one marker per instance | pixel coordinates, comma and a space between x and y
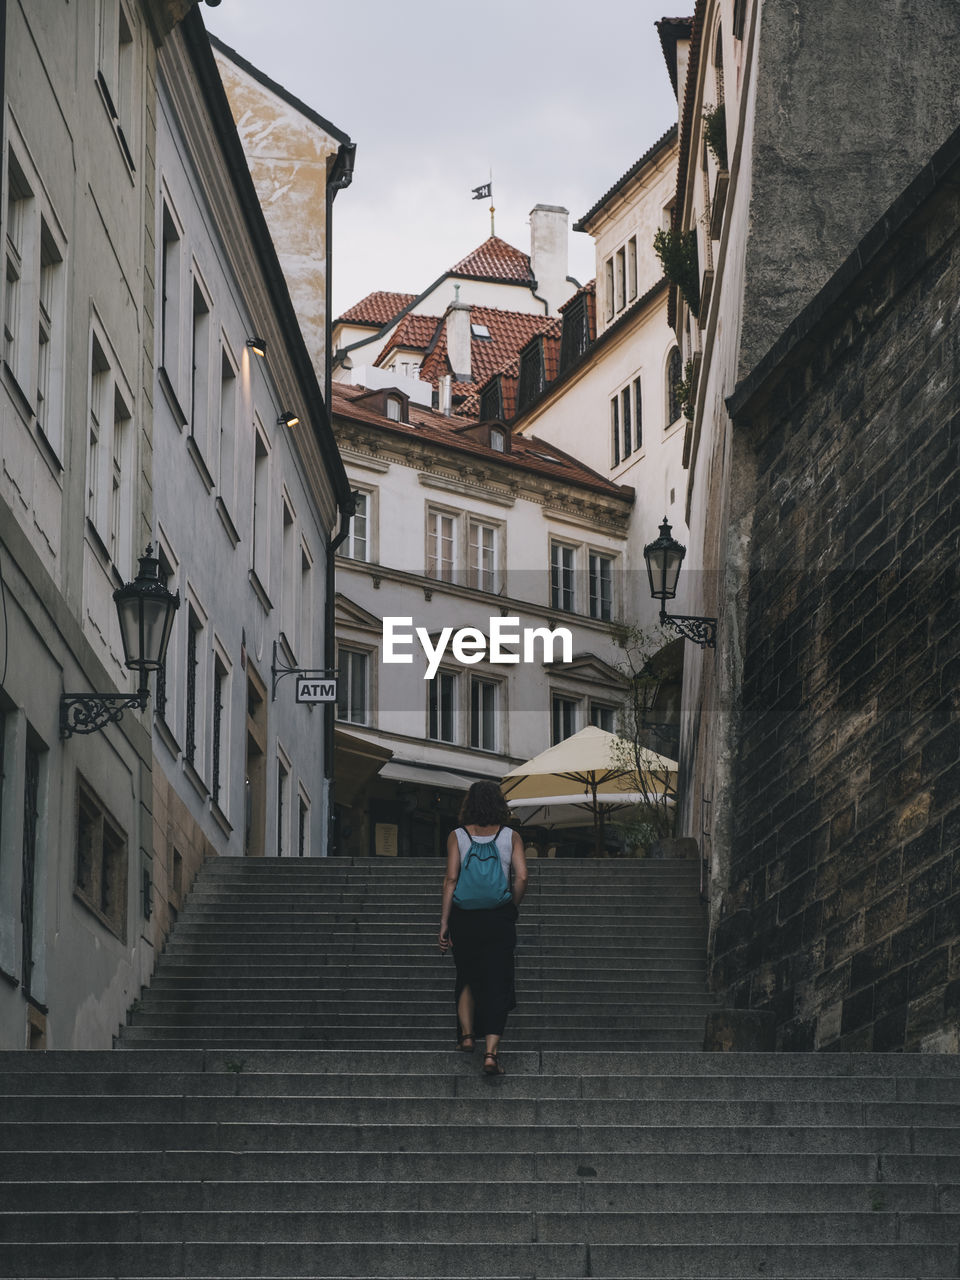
581, 1169
88, 1196
429, 1260
518, 1112
465, 1082
715, 1139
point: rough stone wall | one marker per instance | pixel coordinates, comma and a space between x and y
852, 100
842, 913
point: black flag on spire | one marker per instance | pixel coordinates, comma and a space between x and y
483, 192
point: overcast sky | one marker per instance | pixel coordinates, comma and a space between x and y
558, 97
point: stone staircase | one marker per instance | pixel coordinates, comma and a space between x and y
342, 954
238, 1143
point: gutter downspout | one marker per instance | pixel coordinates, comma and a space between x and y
339, 176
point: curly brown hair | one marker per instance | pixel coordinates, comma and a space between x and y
484, 806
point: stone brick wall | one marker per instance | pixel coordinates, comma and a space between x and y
842, 914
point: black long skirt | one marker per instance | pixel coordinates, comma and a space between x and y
483, 947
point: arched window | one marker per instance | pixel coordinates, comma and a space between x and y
674, 376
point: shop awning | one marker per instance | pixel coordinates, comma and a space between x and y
355, 762
440, 779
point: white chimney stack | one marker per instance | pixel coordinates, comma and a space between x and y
458, 339
446, 396
548, 253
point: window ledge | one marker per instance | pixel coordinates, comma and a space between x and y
260, 591
50, 455
81, 897
8, 977
195, 780
229, 526
166, 386
221, 819
165, 734
99, 546
193, 449
19, 395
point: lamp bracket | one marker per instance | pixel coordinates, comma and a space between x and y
89, 712
702, 631
279, 669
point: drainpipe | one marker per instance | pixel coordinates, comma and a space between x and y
339, 176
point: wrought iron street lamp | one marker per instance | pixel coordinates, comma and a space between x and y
145, 608
664, 558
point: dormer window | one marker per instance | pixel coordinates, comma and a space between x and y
497, 439
394, 408
480, 331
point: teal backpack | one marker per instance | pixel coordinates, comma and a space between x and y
482, 884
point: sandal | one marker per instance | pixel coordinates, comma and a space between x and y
496, 1069
462, 1041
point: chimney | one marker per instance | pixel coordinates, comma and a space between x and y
548, 253
458, 338
445, 395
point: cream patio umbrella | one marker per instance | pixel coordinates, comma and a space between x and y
588, 771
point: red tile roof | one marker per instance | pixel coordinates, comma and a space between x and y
413, 333
509, 331
495, 260
377, 308
527, 453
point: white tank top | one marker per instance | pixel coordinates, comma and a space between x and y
504, 846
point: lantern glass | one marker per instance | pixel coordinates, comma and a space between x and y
664, 558
145, 609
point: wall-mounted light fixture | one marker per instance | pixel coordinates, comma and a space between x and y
258, 346
145, 609
288, 420
664, 558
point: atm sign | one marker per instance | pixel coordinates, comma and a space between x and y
311, 690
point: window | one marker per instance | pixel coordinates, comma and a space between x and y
564, 718
481, 331
115, 70
561, 576
739, 18
261, 507
283, 779
101, 861
305, 604
200, 367
615, 431
608, 288
631, 268
601, 586
575, 330
497, 440
442, 707
357, 543
303, 828
533, 377
110, 479
119, 486
482, 556
165, 574
620, 284
637, 414
441, 545
483, 713
289, 551
34, 330
50, 338
170, 296
394, 409
218, 769
626, 419
194, 627
491, 399
674, 376
602, 716
227, 427
352, 687
31, 819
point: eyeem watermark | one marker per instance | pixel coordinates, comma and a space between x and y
506, 643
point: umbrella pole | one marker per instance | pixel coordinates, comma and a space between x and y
597, 821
